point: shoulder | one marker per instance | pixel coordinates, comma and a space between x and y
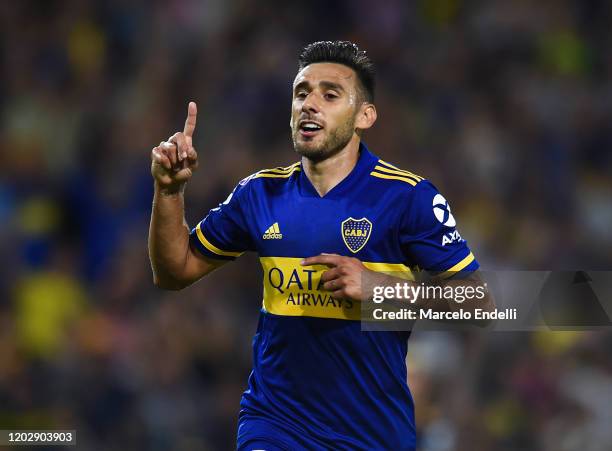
260, 179
415, 191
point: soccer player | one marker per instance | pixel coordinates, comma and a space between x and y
321, 227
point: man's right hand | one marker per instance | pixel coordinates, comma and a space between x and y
174, 160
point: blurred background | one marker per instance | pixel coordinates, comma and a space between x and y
505, 105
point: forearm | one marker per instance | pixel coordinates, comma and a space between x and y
168, 238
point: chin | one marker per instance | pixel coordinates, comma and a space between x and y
321, 147
311, 154
310, 150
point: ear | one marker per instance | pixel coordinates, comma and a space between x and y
366, 116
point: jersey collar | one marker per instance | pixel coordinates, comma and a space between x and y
365, 164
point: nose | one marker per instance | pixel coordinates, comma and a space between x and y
310, 104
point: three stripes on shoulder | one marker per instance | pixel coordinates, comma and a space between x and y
384, 170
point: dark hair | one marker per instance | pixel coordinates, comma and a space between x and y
346, 53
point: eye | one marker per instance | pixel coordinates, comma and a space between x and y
330, 95
301, 94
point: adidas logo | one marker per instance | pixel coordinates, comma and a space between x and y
273, 233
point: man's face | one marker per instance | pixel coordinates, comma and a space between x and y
324, 108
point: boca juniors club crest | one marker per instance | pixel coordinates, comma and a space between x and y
356, 233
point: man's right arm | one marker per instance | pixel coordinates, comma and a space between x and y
175, 264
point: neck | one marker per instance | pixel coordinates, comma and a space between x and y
327, 173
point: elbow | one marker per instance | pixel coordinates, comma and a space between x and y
168, 284
167, 279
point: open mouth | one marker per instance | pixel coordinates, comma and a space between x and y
309, 128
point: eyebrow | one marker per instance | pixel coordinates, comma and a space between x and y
323, 84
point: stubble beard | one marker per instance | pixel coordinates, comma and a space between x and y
333, 143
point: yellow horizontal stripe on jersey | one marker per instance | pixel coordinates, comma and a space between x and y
291, 289
277, 175
458, 267
394, 269
212, 248
380, 175
386, 170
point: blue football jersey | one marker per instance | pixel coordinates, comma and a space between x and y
318, 380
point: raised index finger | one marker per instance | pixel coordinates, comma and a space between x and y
190, 122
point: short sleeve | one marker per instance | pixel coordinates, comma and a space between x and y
428, 234
223, 233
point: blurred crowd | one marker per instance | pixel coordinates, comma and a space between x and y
505, 105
